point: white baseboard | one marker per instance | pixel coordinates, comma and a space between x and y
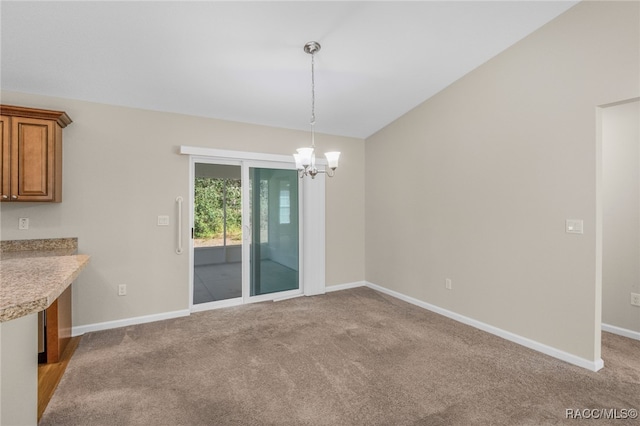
531, 344
81, 329
621, 331
345, 286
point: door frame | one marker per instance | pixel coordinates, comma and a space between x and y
311, 216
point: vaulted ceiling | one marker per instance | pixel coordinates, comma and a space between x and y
244, 61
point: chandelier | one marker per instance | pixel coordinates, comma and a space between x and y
306, 157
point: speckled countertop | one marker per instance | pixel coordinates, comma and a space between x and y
33, 273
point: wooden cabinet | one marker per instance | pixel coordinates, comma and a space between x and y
31, 154
58, 328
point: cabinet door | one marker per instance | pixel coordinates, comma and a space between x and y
5, 164
32, 159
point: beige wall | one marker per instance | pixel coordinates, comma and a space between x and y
480, 180
121, 170
621, 206
19, 371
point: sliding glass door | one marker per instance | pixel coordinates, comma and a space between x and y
246, 232
273, 214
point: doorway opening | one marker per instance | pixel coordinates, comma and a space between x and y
618, 239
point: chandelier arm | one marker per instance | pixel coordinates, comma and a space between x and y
331, 172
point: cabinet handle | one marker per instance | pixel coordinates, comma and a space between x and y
14, 197
4, 197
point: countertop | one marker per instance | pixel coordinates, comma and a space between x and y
34, 273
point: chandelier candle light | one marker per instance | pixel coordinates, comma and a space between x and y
306, 157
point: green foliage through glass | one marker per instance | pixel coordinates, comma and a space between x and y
210, 194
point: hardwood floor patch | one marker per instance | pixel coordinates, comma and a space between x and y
49, 375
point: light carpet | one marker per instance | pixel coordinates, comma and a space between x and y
353, 357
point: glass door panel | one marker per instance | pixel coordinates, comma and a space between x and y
217, 223
274, 220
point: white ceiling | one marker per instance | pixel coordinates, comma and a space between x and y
243, 61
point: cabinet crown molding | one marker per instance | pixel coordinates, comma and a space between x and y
60, 117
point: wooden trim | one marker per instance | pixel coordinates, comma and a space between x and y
52, 348
5, 156
57, 165
59, 117
58, 326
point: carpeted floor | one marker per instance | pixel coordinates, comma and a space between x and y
353, 357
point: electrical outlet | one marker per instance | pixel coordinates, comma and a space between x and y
23, 223
635, 299
447, 283
122, 290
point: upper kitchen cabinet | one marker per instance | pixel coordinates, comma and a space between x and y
31, 155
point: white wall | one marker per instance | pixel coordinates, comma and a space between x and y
621, 205
483, 176
19, 371
121, 170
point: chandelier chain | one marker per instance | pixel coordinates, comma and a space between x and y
313, 99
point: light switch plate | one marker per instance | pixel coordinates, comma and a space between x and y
574, 226
163, 220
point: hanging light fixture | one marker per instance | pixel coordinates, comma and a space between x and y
306, 157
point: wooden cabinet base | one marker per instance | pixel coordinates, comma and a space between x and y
58, 326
